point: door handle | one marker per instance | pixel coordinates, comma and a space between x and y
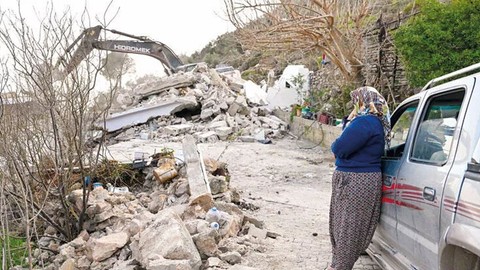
429, 193
388, 180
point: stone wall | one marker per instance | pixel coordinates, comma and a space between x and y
311, 130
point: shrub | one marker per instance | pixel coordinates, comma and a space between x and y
439, 40
16, 250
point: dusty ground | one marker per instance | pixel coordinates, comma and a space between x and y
292, 187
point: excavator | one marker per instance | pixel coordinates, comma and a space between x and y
89, 40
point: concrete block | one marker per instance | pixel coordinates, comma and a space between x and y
246, 138
233, 109
256, 232
178, 129
195, 175
206, 113
209, 136
223, 132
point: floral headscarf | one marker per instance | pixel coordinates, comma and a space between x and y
367, 100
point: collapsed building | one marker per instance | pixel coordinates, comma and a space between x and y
164, 224
209, 105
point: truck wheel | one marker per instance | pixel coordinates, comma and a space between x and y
457, 258
477, 264
465, 260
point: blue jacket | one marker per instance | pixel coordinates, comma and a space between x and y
360, 146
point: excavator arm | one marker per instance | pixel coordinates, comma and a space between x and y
89, 40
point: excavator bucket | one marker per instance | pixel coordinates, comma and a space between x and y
85, 47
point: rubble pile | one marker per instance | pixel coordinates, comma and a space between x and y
208, 105
161, 227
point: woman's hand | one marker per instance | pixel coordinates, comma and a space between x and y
352, 115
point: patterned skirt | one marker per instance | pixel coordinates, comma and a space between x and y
354, 214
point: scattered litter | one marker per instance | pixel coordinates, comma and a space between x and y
97, 185
113, 189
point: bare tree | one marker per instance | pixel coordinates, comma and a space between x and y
116, 65
332, 27
45, 127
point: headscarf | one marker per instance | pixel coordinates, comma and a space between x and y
367, 100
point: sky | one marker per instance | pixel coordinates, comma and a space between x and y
185, 26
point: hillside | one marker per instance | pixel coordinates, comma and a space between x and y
254, 65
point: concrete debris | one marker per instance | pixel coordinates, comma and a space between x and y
213, 262
176, 81
165, 238
161, 223
178, 129
255, 94
208, 105
231, 257
68, 265
140, 115
106, 246
161, 227
256, 232
218, 184
292, 87
195, 174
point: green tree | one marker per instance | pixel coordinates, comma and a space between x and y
442, 38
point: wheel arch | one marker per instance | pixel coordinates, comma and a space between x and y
462, 250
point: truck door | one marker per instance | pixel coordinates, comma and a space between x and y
402, 120
421, 177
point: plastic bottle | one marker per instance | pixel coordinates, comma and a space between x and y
213, 215
215, 225
113, 189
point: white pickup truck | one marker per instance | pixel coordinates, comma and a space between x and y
431, 179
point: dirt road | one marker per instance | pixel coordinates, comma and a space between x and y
292, 188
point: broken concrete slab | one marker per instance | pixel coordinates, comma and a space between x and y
272, 123
223, 132
104, 247
206, 243
141, 115
292, 87
255, 94
206, 113
217, 124
233, 109
231, 257
195, 172
246, 138
256, 232
69, 264
209, 136
176, 81
178, 129
165, 237
213, 262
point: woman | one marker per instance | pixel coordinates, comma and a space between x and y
357, 180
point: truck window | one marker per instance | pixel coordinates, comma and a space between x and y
435, 132
401, 121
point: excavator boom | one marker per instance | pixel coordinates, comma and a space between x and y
89, 40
